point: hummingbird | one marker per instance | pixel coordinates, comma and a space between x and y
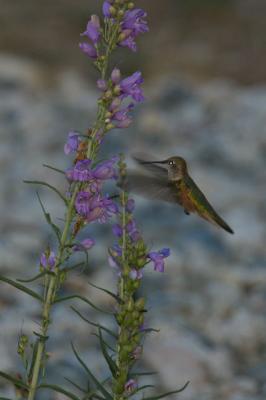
169, 180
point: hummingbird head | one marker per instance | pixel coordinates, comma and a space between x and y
176, 167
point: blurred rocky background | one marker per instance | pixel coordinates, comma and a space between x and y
204, 64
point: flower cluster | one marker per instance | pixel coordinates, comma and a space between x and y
132, 24
93, 34
115, 91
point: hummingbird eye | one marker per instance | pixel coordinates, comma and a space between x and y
171, 162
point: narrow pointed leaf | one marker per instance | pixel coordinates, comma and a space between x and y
49, 220
16, 381
58, 389
42, 183
21, 287
139, 389
109, 360
94, 323
77, 296
75, 385
54, 168
117, 298
97, 383
167, 393
106, 344
143, 373
38, 276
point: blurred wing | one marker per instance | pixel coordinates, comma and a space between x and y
154, 169
150, 187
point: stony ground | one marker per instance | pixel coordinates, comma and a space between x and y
210, 303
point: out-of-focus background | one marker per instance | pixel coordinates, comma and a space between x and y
204, 64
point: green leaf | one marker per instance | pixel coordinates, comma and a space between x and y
42, 183
160, 396
109, 360
117, 298
97, 383
41, 274
54, 168
21, 287
142, 388
49, 220
143, 373
75, 385
58, 389
94, 323
106, 344
33, 358
77, 296
15, 381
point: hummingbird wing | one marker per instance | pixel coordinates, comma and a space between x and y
154, 169
194, 200
151, 187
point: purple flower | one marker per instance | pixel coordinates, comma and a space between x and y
80, 171
131, 386
134, 20
105, 169
157, 257
130, 205
121, 117
93, 207
136, 354
48, 261
117, 230
130, 86
86, 244
93, 29
132, 25
72, 142
106, 9
88, 49
136, 274
131, 229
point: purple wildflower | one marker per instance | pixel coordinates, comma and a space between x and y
93, 29
116, 76
117, 230
121, 117
94, 207
131, 386
48, 260
130, 205
88, 49
105, 169
72, 142
130, 86
101, 84
86, 244
106, 9
80, 171
132, 25
131, 229
157, 257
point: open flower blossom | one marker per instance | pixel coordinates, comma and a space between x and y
48, 259
93, 33
157, 257
83, 172
72, 143
95, 207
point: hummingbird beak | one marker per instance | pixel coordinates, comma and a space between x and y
155, 162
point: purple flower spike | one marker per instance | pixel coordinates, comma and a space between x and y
157, 257
93, 207
93, 29
86, 244
48, 261
131, 386
130, 86
88, 49
72, 143
80, 172
106, 9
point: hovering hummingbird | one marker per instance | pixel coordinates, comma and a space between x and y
169, 180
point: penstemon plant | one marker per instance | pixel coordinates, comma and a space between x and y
85, 203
